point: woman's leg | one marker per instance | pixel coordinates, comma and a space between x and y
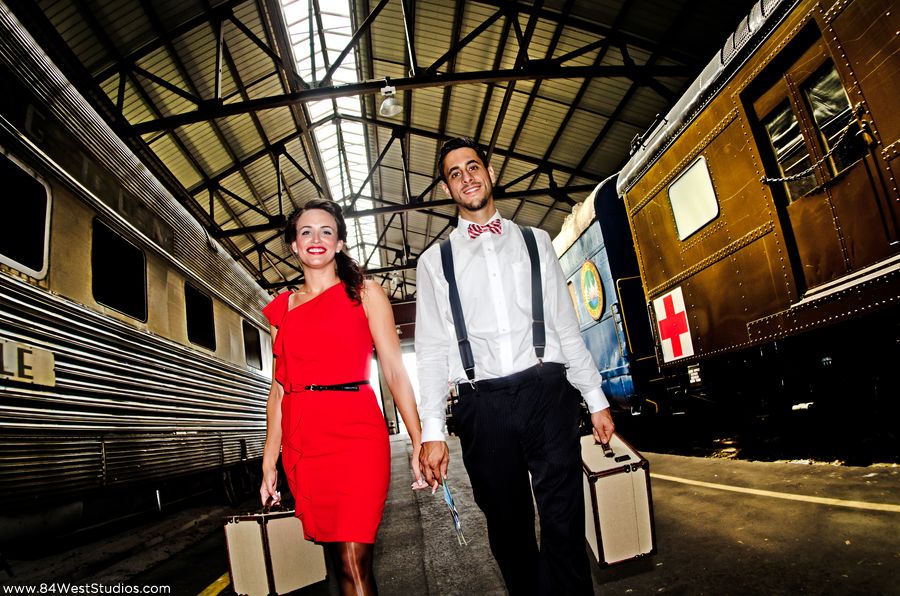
353, 566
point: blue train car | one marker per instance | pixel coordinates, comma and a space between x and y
597, 257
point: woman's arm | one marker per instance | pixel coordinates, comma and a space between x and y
273, 438
387, 345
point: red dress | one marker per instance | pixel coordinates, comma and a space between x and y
334, 444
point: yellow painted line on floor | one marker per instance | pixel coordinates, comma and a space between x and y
789, 496
217, 586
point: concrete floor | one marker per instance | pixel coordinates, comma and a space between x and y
723, 527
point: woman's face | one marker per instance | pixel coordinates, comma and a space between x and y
317, 239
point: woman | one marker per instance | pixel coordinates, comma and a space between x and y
321, 413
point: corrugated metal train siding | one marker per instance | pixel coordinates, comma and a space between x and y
126, 407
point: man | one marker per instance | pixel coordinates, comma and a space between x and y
520, 414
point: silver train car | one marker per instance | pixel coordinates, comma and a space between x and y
134, 349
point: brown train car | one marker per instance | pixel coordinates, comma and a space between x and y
764, 210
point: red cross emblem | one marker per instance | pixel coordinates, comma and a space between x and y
672, 323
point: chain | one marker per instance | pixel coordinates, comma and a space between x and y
811, 168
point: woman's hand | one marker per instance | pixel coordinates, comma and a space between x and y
420, 483
268, 489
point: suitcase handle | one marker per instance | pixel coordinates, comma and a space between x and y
607, 450
273, 503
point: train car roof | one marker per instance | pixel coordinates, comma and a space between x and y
582, 216
751, 32
194, 250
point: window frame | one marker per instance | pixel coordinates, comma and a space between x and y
146, 299
245, 325
792, 85
188, 318
12, 263
698, 225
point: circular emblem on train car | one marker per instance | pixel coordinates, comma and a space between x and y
592, 289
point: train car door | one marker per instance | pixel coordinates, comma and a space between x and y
828, 189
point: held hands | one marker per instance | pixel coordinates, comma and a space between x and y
420, 483
434, 458
603, 425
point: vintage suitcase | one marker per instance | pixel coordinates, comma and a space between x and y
267, 554
617, 502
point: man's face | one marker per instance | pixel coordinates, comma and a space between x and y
469, 182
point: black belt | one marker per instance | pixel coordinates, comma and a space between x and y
352, 386
520, 378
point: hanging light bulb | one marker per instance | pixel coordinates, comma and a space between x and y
390, 106
395, 280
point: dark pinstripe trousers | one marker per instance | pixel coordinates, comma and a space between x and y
510, 427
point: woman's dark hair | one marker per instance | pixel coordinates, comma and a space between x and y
348, 270
453, 145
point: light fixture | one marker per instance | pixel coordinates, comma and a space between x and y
396, 280
390, 107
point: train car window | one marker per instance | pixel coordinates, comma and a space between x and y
252, 346
693, 199
24, 238
837, 126
790, 151
118, 272
201, 327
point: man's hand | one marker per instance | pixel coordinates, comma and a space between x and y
434, 458
603, 425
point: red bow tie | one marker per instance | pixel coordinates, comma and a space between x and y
494, 226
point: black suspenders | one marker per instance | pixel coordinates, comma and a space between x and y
537, 303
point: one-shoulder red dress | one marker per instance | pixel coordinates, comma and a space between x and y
334, 445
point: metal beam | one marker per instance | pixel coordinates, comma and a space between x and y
409, 25
275, 223
499, 195
452, 52
537, 69
430, 134
617, 37
365, 26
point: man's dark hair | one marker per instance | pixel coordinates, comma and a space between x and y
459, 143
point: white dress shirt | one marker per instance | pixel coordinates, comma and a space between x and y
493, 274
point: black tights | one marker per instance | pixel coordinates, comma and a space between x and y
353, 567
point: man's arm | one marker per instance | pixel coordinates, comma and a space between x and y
432, 368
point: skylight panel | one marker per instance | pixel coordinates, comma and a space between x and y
341, 143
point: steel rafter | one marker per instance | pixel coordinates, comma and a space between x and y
278, 31
533, 70
503, 152
500, 194
498, 60
360, 31
532, 97
603, 31
521, 60
180, 68
585, 84
613, 118
674, 27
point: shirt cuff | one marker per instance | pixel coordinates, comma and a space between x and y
596, 400
433, 430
